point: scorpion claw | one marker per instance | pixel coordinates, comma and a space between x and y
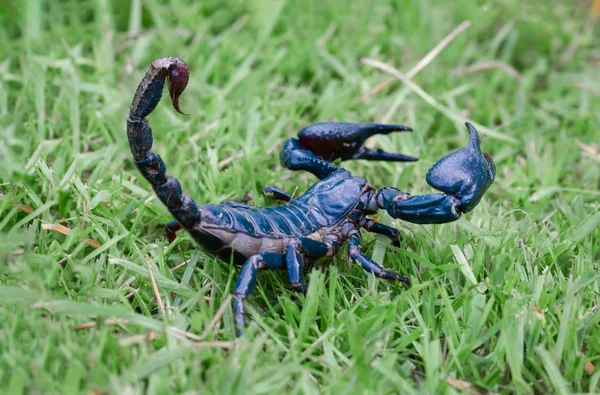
464, 176
320, 144
343, 140
466, 173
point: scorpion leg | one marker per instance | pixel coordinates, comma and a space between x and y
463, 176
294, 262
277, 193
376, 227
294, 259
139, 133
247, 279
171, 229
369, 265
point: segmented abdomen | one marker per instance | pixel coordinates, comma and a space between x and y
294, 219
324, 204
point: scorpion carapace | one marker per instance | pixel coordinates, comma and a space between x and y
292, 236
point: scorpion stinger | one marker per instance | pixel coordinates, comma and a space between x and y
464, 176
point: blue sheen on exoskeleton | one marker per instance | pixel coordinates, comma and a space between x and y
293, 235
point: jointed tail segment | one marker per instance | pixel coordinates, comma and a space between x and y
150, 165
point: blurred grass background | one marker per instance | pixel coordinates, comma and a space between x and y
504, 300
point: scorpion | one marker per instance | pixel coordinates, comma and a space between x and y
292, 236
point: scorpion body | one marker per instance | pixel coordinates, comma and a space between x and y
272, 229
292, 236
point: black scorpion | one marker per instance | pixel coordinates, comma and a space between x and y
292, 236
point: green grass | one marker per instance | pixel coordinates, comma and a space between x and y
504, 300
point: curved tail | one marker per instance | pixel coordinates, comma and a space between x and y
152, 167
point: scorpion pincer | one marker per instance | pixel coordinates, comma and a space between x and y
292, 236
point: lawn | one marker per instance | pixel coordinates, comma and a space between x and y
93, 297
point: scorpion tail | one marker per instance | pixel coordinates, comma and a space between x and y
150, 165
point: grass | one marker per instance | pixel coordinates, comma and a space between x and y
504, 300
